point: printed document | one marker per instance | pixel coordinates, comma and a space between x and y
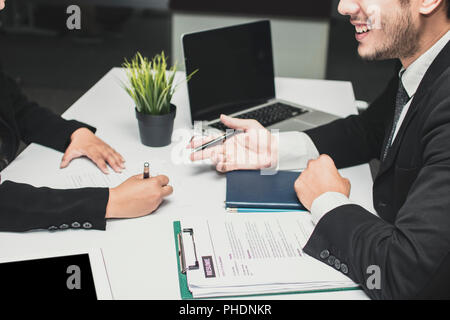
254, 254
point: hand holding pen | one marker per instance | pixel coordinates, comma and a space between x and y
147, 193
251, 147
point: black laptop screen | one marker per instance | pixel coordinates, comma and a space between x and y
235, 69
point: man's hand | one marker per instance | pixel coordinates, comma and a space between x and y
320, 176
137, 197
85, 143
254, 149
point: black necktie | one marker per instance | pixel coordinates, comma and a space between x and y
4, 145
3, 156
400, 102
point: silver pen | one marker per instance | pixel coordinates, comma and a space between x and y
218, 140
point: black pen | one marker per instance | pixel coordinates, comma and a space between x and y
217, 140
146, 170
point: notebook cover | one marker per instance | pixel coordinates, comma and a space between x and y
251, 189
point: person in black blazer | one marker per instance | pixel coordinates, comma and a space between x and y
24, 207
404, 252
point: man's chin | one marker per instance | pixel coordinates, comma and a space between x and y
367, 53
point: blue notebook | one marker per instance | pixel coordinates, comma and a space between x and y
250, 189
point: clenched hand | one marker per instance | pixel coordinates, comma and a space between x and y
320, 176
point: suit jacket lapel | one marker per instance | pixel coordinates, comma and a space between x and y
392, 154
439, 65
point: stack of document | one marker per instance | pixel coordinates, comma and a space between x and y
252, 255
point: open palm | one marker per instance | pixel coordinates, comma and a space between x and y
255, 148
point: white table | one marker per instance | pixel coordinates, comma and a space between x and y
139, 253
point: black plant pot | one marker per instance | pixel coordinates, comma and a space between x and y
156, 131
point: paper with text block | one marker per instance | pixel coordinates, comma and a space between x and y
255, 254
95, 178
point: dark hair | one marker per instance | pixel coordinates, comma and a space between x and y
447, 4
448, 9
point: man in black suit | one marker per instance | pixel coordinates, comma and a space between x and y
405, 252
23, 207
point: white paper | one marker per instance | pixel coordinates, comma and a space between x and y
85, 179
94, 178
255, 254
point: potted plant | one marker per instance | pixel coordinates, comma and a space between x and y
151, 86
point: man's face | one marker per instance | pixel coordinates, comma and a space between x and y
2, 4
385, 29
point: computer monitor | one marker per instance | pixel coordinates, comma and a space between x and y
235, 69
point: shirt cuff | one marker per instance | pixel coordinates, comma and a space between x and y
325, 203
295, 149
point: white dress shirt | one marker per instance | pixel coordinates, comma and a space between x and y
297, 148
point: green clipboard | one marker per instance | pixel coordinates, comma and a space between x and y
182, 279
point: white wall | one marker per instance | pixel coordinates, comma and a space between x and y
300, 46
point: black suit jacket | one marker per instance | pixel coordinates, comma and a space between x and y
410, 242
23, 207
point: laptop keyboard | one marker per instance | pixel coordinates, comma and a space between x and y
268, 115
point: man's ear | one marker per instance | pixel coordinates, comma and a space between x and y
428, 7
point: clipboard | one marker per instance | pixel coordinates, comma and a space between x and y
183, 268
182, 278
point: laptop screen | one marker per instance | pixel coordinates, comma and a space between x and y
235, 69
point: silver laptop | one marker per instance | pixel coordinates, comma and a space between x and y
236, 77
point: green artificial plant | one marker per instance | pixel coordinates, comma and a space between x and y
150, 83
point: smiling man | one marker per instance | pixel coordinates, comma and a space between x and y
23, 207
408, 128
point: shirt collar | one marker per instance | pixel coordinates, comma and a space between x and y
413, 75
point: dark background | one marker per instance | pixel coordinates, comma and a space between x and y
284, 8
56, 66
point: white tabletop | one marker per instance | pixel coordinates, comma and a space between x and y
139, 253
